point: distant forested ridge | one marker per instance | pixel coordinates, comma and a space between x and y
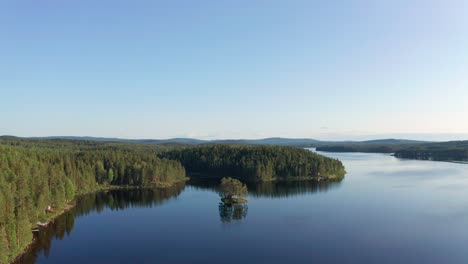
370, 146
258, 163
361, 148
37, 174
277, 141
444, 151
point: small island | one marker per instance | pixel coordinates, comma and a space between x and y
233, 205
232, 191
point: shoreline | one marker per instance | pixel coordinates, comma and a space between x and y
393, 155
450, 161
38, 227
72, 204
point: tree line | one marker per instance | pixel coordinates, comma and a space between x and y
36, 176
256, 163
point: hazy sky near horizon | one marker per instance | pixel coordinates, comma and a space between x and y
234, 69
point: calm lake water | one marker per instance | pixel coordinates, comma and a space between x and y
386, 210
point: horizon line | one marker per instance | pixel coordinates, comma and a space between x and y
239, 139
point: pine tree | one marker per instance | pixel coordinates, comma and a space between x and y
4, 247
24, 234
110, 175
69, 190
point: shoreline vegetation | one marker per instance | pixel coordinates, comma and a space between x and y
40, 225
452, 151
113, 197
39, 175
69, 205
232, 191
39, 178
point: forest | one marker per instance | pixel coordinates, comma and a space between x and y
37, 174
256, 163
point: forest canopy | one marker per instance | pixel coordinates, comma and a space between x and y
36, 175
230, 186
256, 163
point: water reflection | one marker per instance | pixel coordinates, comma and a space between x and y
290, 188
96, 202
123, 199
274, 189
227, 213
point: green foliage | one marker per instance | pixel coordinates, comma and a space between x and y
257, 163
230, 186
236, 212
110, 175
36, 174
69, 189
4, 249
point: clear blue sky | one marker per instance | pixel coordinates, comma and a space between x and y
233, 69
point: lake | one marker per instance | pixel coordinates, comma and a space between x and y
386, 210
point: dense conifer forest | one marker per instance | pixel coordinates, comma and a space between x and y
40, 178
37, 174
258, 163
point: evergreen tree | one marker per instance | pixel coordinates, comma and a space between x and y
36, 174
4, 247
110, 175
69, 190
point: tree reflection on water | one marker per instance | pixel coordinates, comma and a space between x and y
228, 213
95, 202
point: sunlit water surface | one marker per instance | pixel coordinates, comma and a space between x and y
386, 210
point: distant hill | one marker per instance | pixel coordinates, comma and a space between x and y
186, 141
392, 141
271, 141
298, 142
403, 148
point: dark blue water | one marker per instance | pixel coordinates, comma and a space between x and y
385, 211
